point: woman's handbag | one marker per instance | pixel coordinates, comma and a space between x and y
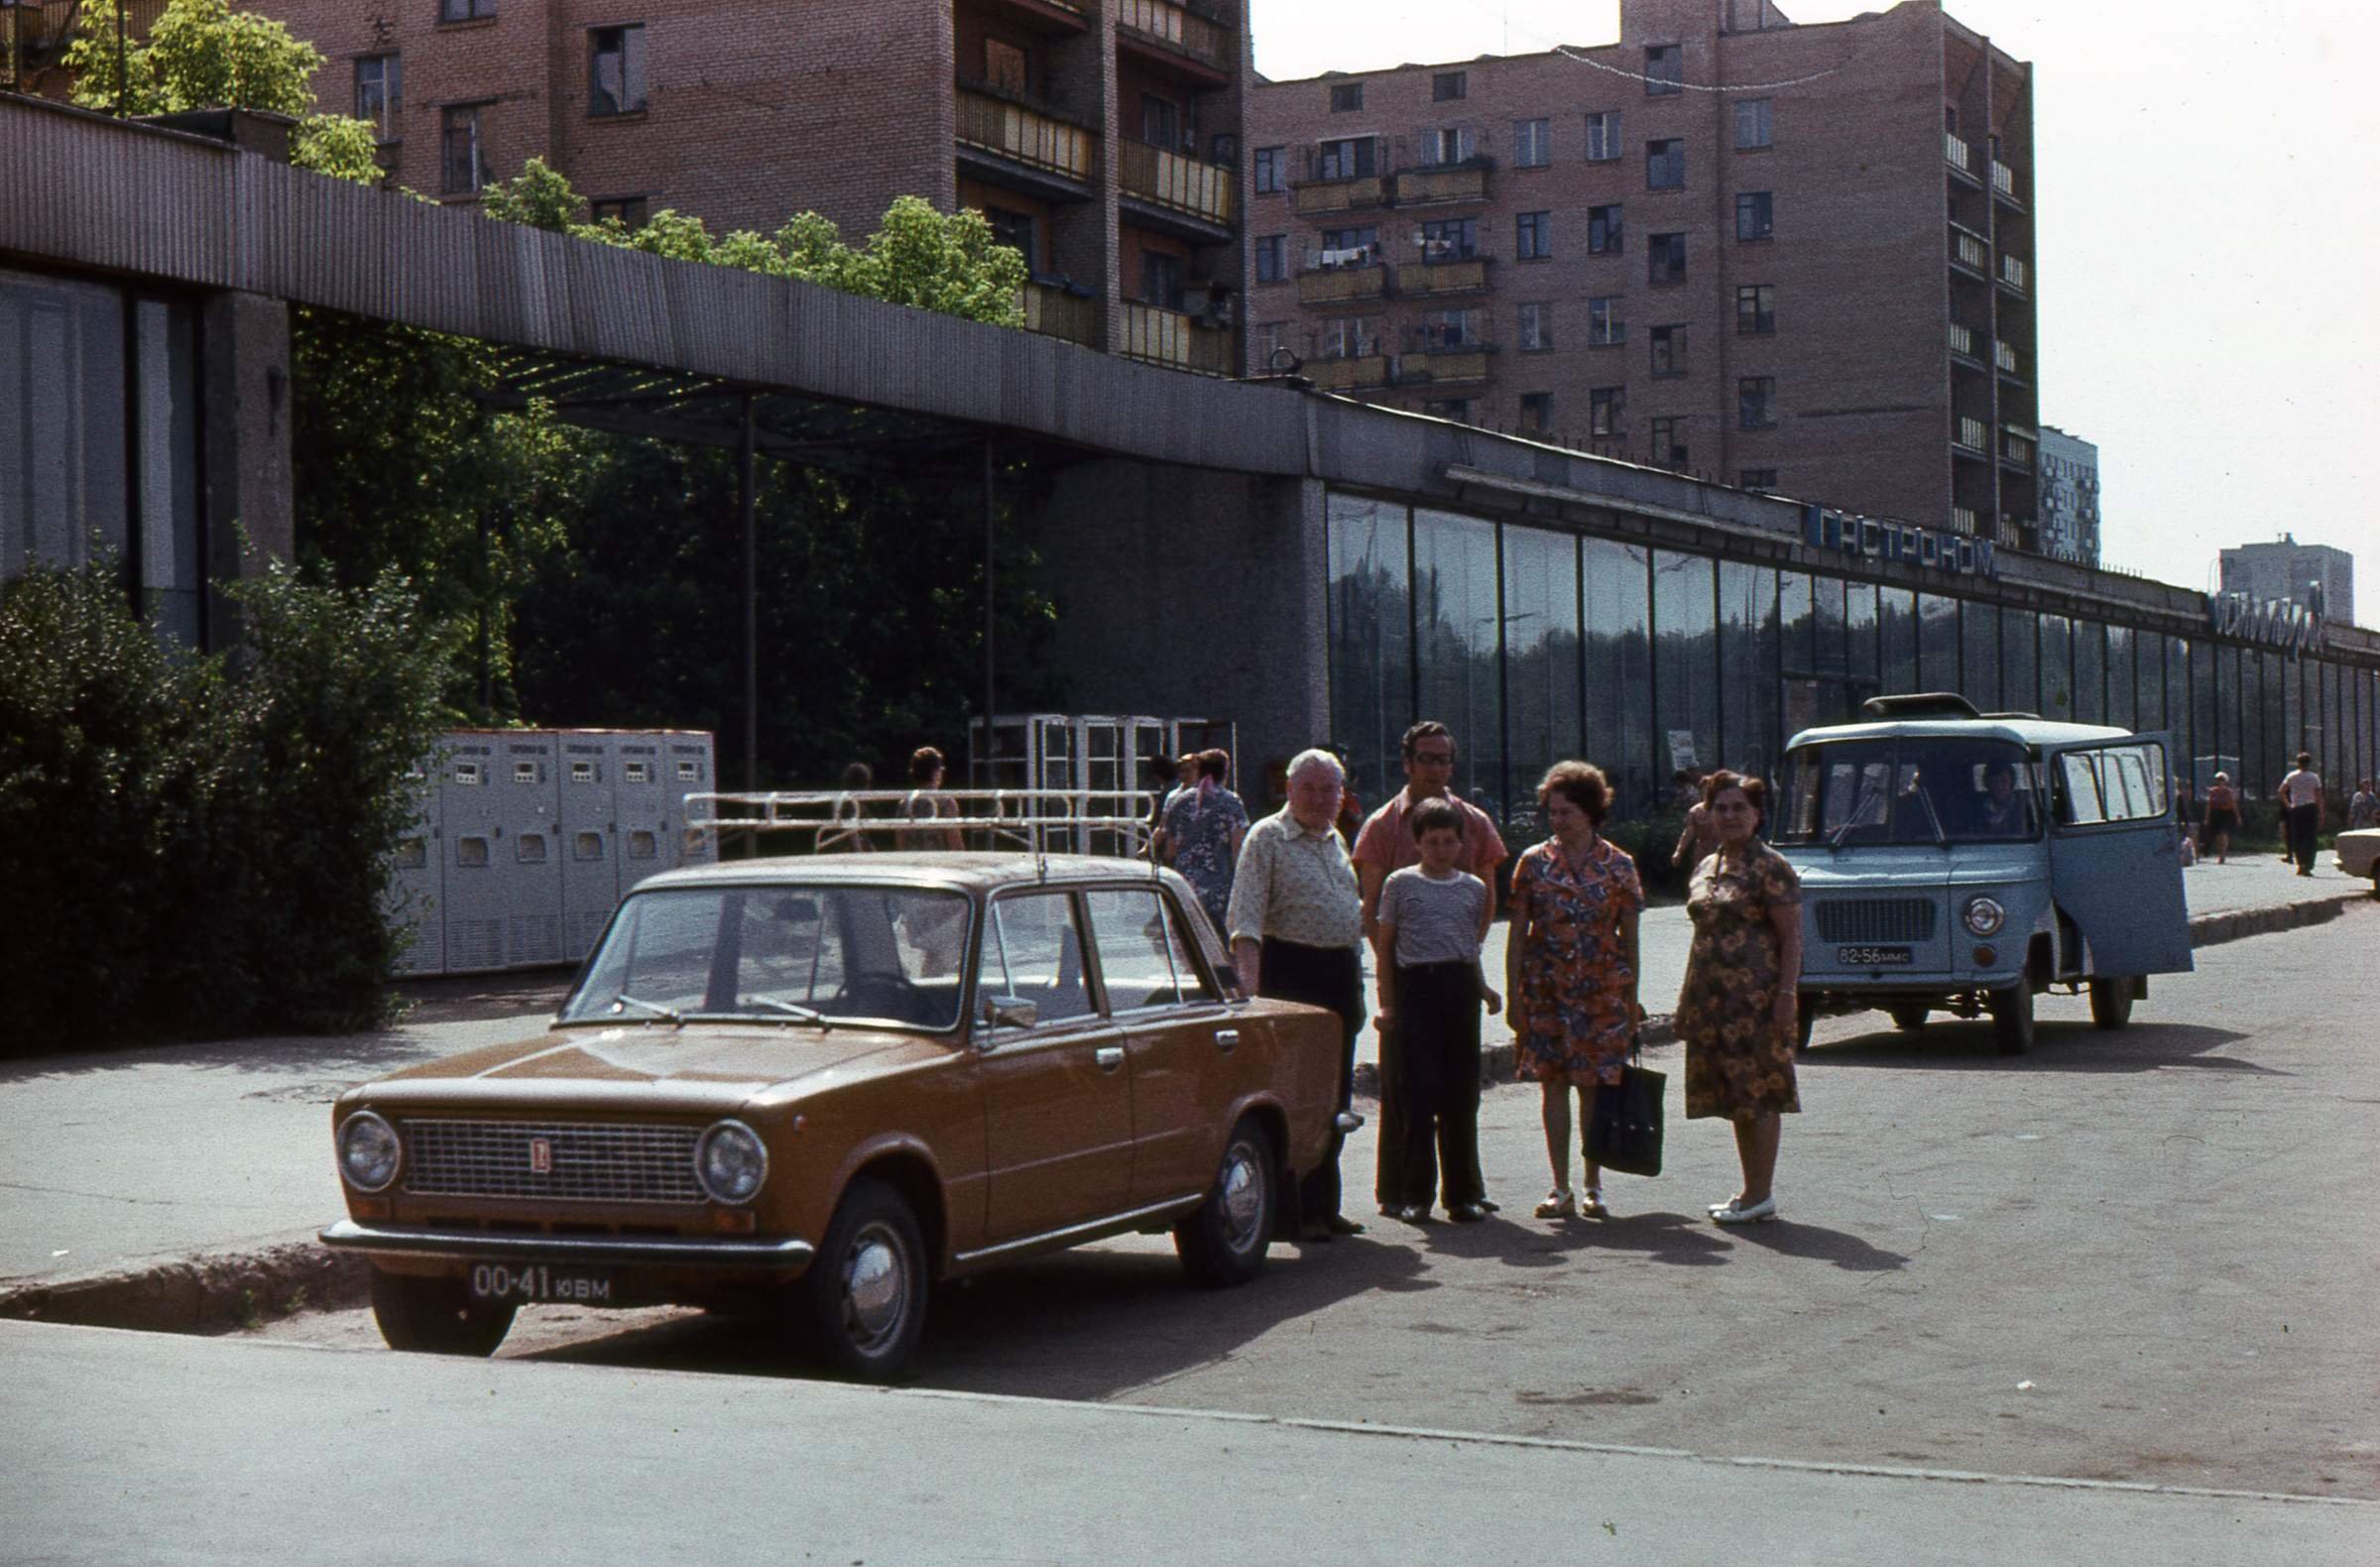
1625, 1133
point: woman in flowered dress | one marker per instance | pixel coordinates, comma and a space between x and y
1736, 1012
1569, 967
1203, 825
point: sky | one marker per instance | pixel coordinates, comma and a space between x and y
2208, 258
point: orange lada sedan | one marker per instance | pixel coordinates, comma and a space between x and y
814, 1086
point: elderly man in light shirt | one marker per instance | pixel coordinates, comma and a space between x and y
1296, 923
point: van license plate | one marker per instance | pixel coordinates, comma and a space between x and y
528, 1281
1871, 957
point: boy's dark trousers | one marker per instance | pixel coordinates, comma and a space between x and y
1431, 1121
2305, 833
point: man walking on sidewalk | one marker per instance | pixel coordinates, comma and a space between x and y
2302, 807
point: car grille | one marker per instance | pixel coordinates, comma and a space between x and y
589, 1163
1874, 920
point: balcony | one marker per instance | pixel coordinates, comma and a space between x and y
1177, 32
1026, 135
2012, 529
1443, 363
1962, 341
1340, 196
1971, 250
1346, 374
1203, 191
2003, 182
2003, 355
1321, 285
1442, 183
1168, 338
1465, 275
1055, 312
1973, 434
2016, 449
1964, 520
1958, 154
2012, 273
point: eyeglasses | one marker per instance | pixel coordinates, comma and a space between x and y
1434, 758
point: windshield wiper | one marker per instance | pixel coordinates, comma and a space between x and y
794, 1010
665, 1013
1834, 838
1941, 839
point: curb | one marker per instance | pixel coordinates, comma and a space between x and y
2237, 924
208, 1293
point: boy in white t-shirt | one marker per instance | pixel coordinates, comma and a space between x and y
1426, 949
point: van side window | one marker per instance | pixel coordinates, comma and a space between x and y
2111, 783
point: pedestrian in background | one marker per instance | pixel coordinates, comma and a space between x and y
927, 802
1736, 1009
2364, 809
1430, 918
1201, 838
1699, 837
1388, 844
1570, 969
2223, 819
1296, 923
2302, 805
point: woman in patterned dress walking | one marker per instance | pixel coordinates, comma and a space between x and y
1569, 967
1737, 1010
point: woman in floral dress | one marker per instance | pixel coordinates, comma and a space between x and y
1737, 1010
1202, 833
1569, 967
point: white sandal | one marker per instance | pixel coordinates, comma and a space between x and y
1559, 1203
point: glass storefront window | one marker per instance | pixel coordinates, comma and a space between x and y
2020, 643
1938, 643
1618, 672
1860, 636
1896, 610
1371, 641
2297, 717
1798, 623
1748, 666
2056, 669
2214, 705
1832, 659
1541, 641
1686, 661
1458, 650
2231, 716
1980, 636
2091, 673
2122, 683
2148, 647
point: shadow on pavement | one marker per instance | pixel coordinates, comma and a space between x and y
1951, 1044
1543, 1243
1818, 1243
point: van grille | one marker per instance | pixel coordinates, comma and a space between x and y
589, 1163
1874, 919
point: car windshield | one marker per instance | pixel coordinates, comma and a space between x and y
1909, 790
814, 955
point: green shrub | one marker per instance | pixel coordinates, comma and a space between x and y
196, 847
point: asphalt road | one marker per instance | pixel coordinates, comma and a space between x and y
2140, 1256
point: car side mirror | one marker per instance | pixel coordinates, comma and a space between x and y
1011, 1012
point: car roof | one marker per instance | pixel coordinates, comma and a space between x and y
2031, 732
959, 871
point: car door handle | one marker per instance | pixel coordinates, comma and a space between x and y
1110, 1057
1226, 1038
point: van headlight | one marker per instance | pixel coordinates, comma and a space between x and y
1985, 915
730, 1162
369, 1151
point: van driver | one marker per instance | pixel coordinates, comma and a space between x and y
2002, 811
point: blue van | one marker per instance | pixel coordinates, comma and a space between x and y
1963, 862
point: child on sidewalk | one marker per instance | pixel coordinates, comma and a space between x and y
1426, 949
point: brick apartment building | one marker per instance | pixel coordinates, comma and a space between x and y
1792, 258
1102, 137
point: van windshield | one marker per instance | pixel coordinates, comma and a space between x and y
1911, 789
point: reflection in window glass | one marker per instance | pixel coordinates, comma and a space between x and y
2296, 714
1686, 660
2205, 737
1747, 680
1909, 790
1372, 645
2148, 709
1831, 659
1980, 666
2020, 649
1938, 643
1541, 638
1618, 668
1455, 619
1861, 649
1033, 953
2056, 669
2121, 686
1896, 619
2091, 673
1136, 957
1797, 643
2253, 697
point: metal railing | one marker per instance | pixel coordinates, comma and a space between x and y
826, 821
1962, 340
1168, 338
2016, 448
1202, 189
1055, 312
2012, 271
1956, 152
1964, 520
1969, 249
1177, 28
2003, 178
2004, 355
1028, 135
1973, 434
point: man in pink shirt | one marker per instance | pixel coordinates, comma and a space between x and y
1386, 844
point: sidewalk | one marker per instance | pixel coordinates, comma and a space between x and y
181, 1187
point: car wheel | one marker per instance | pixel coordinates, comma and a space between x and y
1225, 1241
438, 1316
1908, 1016
2111, 1002
864, 1298
2011, 1018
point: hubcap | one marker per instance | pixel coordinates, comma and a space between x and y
1243, 1197
875, 1286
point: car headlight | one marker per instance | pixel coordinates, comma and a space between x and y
1985, 915
730, 1162
369, 1151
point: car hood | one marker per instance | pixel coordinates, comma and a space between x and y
655, 1066
1915, 870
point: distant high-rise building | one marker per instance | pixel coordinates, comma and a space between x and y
2286, 570
2070, 497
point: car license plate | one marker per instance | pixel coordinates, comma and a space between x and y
528, 1281
1871, 957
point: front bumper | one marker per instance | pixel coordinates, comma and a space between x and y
773, 1256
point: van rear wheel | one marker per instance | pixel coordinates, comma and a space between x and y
2011, 1016
2111, 1002
1908, 1016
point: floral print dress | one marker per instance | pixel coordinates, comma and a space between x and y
1199, 825
1739, 1061
1573, 1013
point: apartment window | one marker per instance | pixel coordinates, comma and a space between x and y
380, 95
1162, 279
1347, 97
1351, 158
1665, 259
1754, 124
1448, 85
1607, 411
1669, 443
1755, 216
1272, 258
1006, 67
1756, 402
1532, 144
1665, 165
1533, 236
1015, 229
1669, 350
1448, 145
1533, 327
1340, 241
1457, 409
1664, 70
1351, 337
1452, 328
1538, 411
1265, 340
1603, 324
1761, 479
1603, 235
465, 10
629, 213
463, 160
1756, 310
1450, 239
616, 71
1272, 170
1603, 136
1160, 122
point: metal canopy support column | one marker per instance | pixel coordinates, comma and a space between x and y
751, 606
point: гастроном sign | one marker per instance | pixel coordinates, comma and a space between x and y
1904, 544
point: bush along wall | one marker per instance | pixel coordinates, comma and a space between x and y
198, 846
